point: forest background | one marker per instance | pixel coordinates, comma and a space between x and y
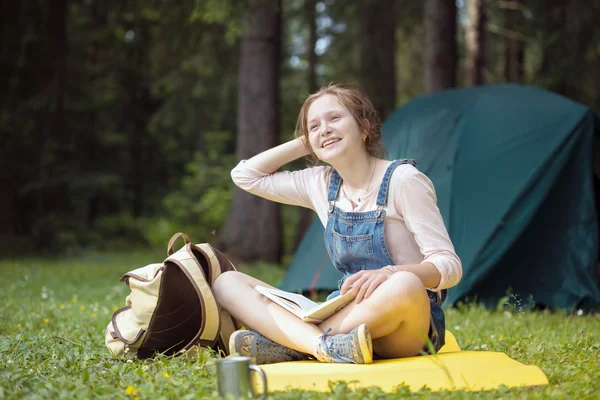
121, 121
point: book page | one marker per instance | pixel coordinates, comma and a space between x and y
302, 302
305, 309
285, 302
329, 308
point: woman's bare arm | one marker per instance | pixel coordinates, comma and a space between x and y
271, 160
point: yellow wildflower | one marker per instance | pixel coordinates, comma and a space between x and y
62, 306
82, 308
46, 320
19, 325
74, 300
93, 315
501, 336
468, 340
115, 308
136, 398
166, 375
131, 390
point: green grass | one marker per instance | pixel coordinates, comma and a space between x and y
53, 314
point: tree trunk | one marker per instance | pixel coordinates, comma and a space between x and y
253, 229
556, 55
134, 120
440, 58
7, 217
10, 39
570, 26
50, 199
514, 47
311, 19
305, 216
477, 42
378, 53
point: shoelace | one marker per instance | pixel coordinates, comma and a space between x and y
330, 349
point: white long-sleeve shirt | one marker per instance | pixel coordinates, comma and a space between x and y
414, 229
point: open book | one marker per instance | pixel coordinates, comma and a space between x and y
305, 309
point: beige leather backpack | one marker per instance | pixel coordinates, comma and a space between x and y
171, 308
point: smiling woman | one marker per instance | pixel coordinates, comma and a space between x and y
341, 101
384, 233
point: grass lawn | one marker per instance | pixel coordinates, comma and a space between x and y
53, 315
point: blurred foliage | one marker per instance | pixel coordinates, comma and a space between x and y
200, 204
120, 129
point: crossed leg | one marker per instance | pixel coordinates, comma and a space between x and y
396, 314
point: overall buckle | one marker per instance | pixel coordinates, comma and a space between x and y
331, 206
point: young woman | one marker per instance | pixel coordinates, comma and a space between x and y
383, 232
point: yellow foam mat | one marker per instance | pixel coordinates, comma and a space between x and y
450, 369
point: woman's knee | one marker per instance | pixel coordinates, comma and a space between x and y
407, 289
226, 283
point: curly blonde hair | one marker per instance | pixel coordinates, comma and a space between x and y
360, 107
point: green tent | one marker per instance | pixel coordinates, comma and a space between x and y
513, 170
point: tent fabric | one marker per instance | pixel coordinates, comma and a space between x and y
513, 170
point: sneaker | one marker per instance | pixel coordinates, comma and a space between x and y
264, 350
354, 347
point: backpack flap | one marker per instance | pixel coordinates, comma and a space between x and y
144, 274
186, 260
129, 324
126, 327
214, 263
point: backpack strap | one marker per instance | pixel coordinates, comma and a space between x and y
217, 264
187, 262
176, 236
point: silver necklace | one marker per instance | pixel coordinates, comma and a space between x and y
360, 199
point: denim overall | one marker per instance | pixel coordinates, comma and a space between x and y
355, 241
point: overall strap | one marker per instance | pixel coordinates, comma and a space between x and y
382, 196
334, 189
